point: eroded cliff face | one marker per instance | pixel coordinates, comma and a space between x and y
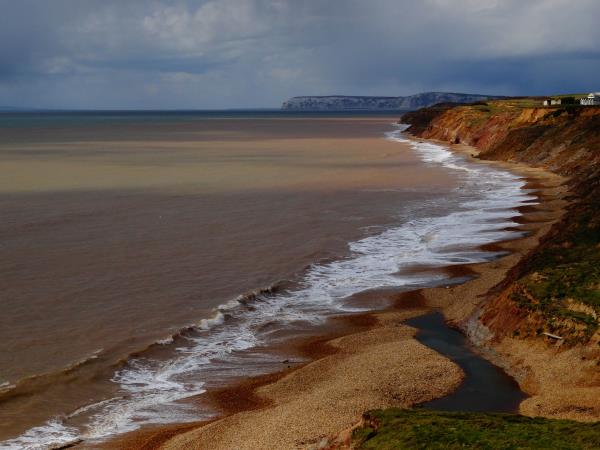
563, 140
555, 289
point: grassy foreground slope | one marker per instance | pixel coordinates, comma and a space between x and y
397, 428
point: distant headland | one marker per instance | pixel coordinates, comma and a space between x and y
355, 102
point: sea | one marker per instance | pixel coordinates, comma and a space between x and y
149, 257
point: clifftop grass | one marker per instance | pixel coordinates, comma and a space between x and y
397, 428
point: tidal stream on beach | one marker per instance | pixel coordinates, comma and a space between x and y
148, 260
485, 388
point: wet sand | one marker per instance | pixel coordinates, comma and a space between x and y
379, 367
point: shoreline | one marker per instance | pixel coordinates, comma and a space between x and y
214, 265
255, 397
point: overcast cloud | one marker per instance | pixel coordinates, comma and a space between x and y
253, 53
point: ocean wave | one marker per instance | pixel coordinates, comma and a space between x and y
39, 382
52, 435
6, 386
151, 390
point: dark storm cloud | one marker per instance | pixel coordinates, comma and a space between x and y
227, 53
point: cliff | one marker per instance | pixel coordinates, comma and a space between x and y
343, 102
564, 140
555, 289
558, 285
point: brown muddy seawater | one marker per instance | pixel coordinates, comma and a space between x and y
114, 235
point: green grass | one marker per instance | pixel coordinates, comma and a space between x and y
576, 96
397, 428
479, 113
566, 271
520, 103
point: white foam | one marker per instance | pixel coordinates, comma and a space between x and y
6, 386
484, 203
207, 324
53, 434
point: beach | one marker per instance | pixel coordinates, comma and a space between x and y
378, 365
328, 338
149, 258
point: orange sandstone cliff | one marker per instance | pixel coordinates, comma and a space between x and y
542, 322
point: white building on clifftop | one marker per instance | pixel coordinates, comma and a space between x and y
591, 100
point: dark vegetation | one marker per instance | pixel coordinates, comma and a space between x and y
397, 428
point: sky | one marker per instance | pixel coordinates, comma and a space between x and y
187, 54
